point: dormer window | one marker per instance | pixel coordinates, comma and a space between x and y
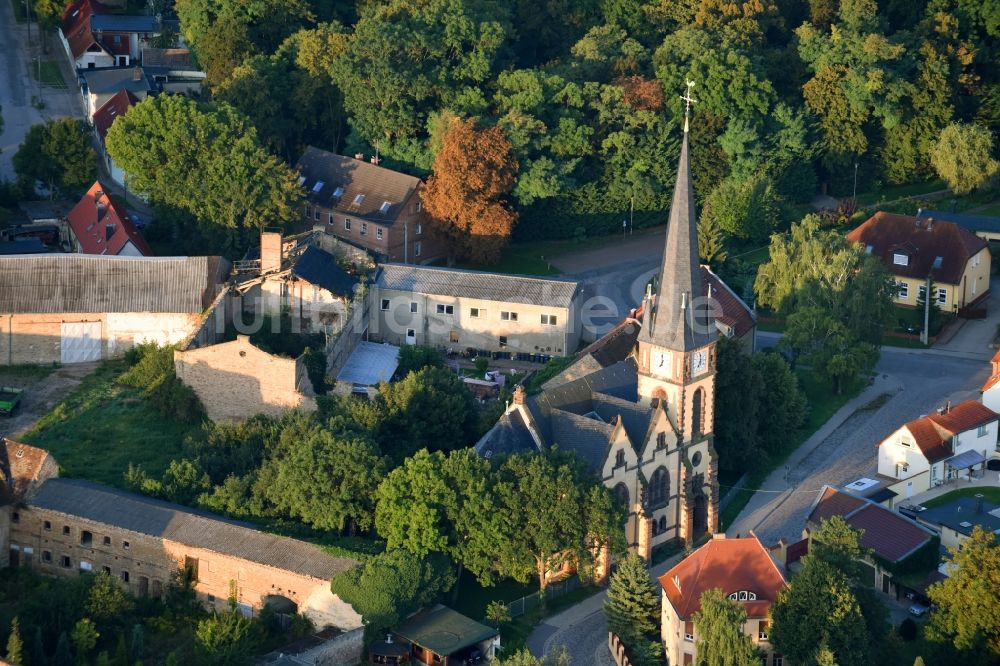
938, 261
743, 595
337, 193
900, 259
384, 208
318, 186
358, 200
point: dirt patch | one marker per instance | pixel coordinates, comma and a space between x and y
41, 393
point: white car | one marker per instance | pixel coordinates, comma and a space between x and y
918, 609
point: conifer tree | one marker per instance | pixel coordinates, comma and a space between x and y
15, 646
632, 606
63, 656
38, 649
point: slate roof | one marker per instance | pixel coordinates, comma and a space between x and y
115, 107
731, 565
53, 283
890, 535
101, 81
923, 240
356, 177
550, 292
320, 268
964, 510
123, 23
586, 436
103, 227
444, 631
510, 435
24, 246
679, 319
974, 223
109, 506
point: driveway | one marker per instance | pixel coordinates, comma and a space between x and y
17, 86
41, 393
976, 335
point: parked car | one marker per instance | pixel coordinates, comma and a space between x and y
918, 609
10, 397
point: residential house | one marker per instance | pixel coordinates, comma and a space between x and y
914, 249
991, 388
124, 35
104, 117
475, 310
65, 527
101, 85
955, 520
441, 637
173, 70
892, 538
745, 572
370, 206
939, 447
72, 308
82, 47
99, 225
986, 227
638, 406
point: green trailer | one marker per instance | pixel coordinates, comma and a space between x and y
10, 397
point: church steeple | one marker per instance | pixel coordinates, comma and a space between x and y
680, 319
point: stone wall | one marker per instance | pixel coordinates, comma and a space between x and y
236, 380
617, 650
339, 649
148, 562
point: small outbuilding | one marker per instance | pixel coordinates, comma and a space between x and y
443, 637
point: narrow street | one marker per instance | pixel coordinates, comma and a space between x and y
18, 87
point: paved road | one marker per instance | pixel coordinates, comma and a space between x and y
17, 87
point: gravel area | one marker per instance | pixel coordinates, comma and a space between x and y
41, 393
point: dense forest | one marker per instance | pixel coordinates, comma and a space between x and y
791, 94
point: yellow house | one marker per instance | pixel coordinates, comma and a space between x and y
913, 248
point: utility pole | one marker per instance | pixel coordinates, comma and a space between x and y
631, 216
925, 334
854, 195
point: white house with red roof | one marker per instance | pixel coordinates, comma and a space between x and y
114, 108
936, 448
991, 388
101, 226
745, 572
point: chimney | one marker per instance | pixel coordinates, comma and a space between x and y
930, 223
947, 407
137, 74
375, 160
979, 502
359, 156
270, 252
919, 212
519, 395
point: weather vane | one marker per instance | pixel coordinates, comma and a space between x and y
688, 101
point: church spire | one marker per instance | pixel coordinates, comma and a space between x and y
680, 319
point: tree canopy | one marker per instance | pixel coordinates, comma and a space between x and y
58, 155
719, 625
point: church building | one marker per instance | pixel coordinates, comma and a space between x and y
638, 405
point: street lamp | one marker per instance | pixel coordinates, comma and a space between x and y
855, 194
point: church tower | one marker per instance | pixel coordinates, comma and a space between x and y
676, 352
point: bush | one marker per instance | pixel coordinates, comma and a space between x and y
152, 372
908, 630
413, 358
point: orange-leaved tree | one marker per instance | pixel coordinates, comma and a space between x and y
467, 194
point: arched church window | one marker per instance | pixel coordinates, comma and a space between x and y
659, 488
663, 524
696, 411
621, 492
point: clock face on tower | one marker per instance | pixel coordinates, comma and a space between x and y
699, 362
662, 363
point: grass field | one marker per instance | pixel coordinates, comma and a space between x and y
103, 426
48, 74
899, 192
533, 258
990, 494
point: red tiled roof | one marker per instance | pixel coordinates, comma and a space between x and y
732, 312
922, 240
833, 503
931, 439
990, 383
731, 565
964, 416
101, 226
119, 103
76, 25
891, 536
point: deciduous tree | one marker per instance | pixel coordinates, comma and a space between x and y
57, 154
721, 641
466, 196
963, 157
968, 602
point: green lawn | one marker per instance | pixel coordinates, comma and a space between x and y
474, 597
990, 494
823, 403
533, 258
899, 192
989, 210
103, 426
49, 74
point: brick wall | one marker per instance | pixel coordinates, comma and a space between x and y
236, 380
37, 338
148, 562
